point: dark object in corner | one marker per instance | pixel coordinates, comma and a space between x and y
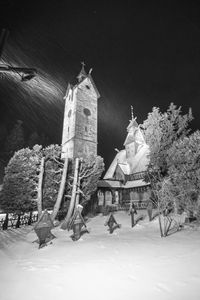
112, 223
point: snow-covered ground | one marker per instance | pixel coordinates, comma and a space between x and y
131, 263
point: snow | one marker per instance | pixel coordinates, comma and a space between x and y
131, 263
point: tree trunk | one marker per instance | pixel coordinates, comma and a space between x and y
39, 199
77, 193
160, 225
61, 190
73, 197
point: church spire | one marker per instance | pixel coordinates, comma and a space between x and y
82, 73
131, 112
133, 122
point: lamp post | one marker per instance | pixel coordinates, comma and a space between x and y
25, 73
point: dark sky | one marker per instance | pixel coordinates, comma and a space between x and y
143, 55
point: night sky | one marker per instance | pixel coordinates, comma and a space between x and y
142, 55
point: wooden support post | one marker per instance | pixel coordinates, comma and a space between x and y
73, 197
40, 181
61, 190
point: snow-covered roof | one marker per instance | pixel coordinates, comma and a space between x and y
140, 161
129, 139
118, 184
136, 164
125, 168
132, 123
120, 158
133, 159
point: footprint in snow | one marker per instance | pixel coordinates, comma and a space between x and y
131, 277
162, 287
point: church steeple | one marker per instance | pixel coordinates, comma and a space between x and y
131, 112
82, 73
79, 138
133, 123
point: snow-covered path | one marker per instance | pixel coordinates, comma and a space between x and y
131, 263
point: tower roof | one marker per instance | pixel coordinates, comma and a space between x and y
82, 76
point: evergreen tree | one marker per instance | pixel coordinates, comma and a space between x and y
19, 192
162, 131
21, 182
85, 176
52, 174
184, 171
90, 174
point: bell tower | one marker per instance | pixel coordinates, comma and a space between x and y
79, 137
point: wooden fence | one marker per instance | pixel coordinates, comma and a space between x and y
15, 221
138, 204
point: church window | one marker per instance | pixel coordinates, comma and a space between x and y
87, 87
86, 129
87, 112
69, 113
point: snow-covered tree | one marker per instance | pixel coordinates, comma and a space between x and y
84, 183
91, 171
39, 177
184, 171
162, 131
20, 182
52, 174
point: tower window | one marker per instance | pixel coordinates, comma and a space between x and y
69, 113
86, 129
87, 112
87, 87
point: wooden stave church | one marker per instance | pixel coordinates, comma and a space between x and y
124, 181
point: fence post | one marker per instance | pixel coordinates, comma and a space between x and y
5, 223
30, 218
18, 221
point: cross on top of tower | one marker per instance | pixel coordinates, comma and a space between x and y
82, 73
